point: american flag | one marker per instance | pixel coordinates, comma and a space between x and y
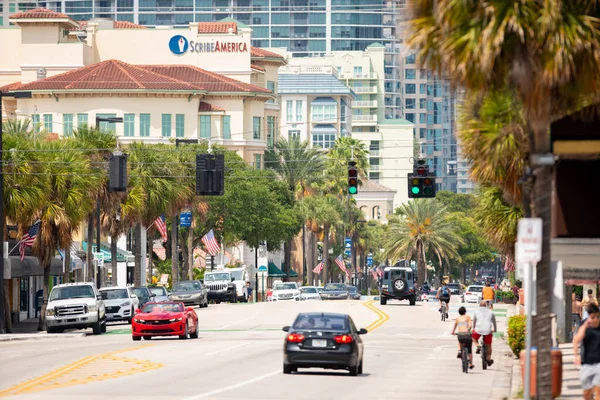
29, 238
340, 262
380, 271
162, 227
374, 272
211, 243
318, 268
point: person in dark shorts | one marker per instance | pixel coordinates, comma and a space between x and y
462, 327
588, 337
444, 294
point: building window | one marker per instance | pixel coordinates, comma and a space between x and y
48, 122
271, 87
409, 103
107, 126
270, 131
422, 118
410, 59
422, 133
410, 117
323, 141
166, 125
180, 125
36, 122
129, 124
82, 120
256, 127
422, 88
410, 73
357, 71
422, 103
324, 112
205, 127
257, 161
67, 124
289, 106
410, 88
226, 127
299, 110
145, 125
293, 135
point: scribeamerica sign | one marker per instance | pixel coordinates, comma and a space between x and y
179, 45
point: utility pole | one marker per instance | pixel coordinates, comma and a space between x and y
3, 312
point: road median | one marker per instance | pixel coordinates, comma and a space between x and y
381, 316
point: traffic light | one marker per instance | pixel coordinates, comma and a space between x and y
210, 174
421, 182
352, 177
117, 172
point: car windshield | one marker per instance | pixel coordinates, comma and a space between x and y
335, 286
140, 292
162, 307
474, 289
186, 286
432, 293
453, 285
159, 290
238, 275
284, 286
309, 290
114, 294
353, 289
72, 292
321, 322
217, 277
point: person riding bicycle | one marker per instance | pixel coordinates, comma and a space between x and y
484, 324
464, 324
443, 294
487, 294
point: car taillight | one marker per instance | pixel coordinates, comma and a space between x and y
343, 339
295, 338
468, 293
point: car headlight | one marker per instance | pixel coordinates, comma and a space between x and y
127, 303
49, 312
92, 308
139, 321
175, 319
195, 296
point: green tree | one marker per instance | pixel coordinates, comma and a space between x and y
548, 52
456, 202
345, 149
422, 225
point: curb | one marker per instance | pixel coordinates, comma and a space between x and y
41, 337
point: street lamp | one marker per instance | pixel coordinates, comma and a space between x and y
98, 244
16, 95
354, 237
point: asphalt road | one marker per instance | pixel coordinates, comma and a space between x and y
409, 353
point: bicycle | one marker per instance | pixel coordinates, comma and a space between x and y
484, 360
464, 355
443, 311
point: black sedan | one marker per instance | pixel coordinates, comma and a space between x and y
335, 291
323, 340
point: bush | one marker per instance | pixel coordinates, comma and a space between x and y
507, 295
516, 333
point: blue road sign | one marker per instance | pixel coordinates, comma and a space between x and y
347, 242
185, 219
262, 268
347, 252
369, 261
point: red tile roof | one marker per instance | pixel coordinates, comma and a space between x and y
10, 86
117, 75
216, 27
256, 52
207, 107
257, 67
39, 13
116, 25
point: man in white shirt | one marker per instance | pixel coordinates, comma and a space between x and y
484, 324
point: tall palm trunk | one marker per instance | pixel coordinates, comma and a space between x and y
421, 277
190, 250
113, 258
67, 272
89, 257
42, 318
287, 258
137, 271
326, 277
7, 313
174, 250
309, 263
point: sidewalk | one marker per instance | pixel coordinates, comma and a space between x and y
27, 330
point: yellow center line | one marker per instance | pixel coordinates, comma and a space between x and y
382, 317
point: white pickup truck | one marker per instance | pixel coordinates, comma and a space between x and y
75, 305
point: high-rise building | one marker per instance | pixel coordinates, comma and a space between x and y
303, 27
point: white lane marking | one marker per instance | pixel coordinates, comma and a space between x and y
433, 355
227, 349
237, 385
237, 322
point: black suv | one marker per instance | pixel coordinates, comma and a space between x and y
398, 283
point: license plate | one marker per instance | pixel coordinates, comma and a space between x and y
319, 343
109, 315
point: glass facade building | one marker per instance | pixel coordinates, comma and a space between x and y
304, 27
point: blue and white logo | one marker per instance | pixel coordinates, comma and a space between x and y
178, 44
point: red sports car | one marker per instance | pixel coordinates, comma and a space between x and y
164, 319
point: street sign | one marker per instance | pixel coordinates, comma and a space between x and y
347, 243
262, 268
100, 258
529, 241
185, 219
369, 261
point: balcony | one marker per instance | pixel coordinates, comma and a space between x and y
368, 75
356, 118
364, 104
308, 69
361, 89
374, 153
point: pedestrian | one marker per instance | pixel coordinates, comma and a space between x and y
587, 300
248, 292
576, 312
588, 337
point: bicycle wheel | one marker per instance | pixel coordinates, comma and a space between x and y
484, 356
443, 311
465, 359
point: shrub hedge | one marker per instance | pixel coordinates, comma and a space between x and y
516, 333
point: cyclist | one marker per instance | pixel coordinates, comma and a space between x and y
487, 294
443, 294
464, 324
484, 324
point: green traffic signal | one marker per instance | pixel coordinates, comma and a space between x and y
415, 190
352, 190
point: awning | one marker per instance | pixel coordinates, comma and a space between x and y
105, 250
323, 100
324, 128
275, 272
30, 266
76, 262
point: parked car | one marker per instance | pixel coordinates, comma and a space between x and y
353, 293
120, 303
161, 293
165, 319
75, 305
323, 340
309, 293
286, 291
191, 293
473, 294
335, 291
143, 293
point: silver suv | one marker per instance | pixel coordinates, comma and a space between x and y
75, 305
398, 283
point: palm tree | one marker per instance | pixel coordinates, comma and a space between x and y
548, 52
423, 225
345, 149
301, 168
